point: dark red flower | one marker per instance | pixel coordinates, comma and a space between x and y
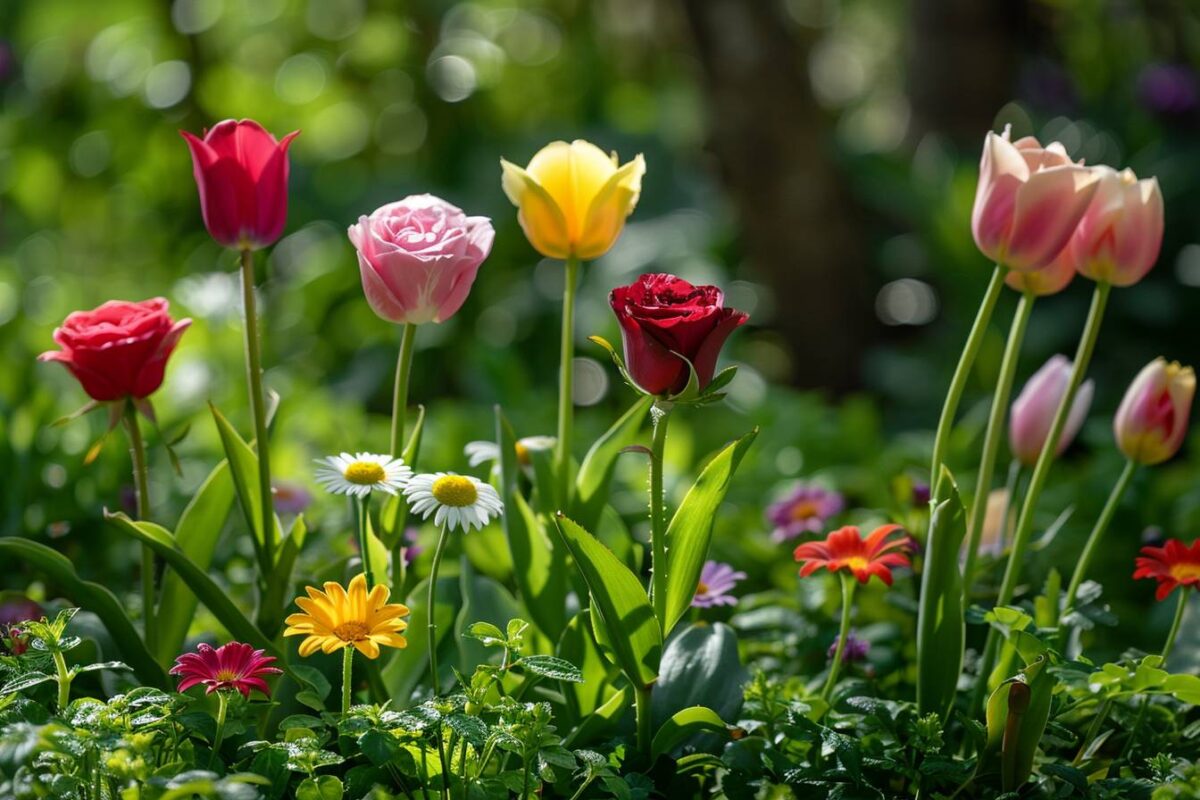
1173, 564
664, 317
241, 171
231, 666
846, 549
119, 349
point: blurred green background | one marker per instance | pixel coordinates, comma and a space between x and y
817, 158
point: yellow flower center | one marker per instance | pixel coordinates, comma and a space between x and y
856, 563
1185, 571
364, 473
702, 588
804, 510
455, 490
522, 454
227, 676
352, 631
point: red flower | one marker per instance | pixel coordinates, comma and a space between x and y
662, 318
231, 666
846, 549
119, 349
1174, 564
242, 173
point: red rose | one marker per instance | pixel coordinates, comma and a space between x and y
119, 349
664, 317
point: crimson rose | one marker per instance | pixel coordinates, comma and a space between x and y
119, 349
663, 318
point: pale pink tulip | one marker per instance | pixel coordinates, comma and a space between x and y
1050, 279
1152, 419
1119, 237
1028, 201
418, 258
1033, 411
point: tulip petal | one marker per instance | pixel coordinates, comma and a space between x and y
609, 209
1048, 209
540, 216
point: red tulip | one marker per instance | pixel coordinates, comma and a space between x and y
242, 174
119, 349
663, 318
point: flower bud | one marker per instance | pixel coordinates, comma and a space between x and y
1119, 236
1034, 409
1152, 419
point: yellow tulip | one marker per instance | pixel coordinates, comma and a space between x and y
572, 199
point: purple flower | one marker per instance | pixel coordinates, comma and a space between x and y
411, 548
804, 510
856, 648
716, 581
290, 498
16, 607
920, 494
1168, 88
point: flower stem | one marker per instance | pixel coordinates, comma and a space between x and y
364, 545
429, 606
222, 710
965, 362
566, 379
641, 708
64, 679
137, 450
658, 519
843, 632
1089, 549
1016, 559
1168, 646
347, 676
995, 430
400, 392
259, 408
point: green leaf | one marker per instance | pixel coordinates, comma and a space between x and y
410, 667
197, 534
93, 596
577, 645
682, 726
26, 681
540, 571
596, 471
603, 720
277, 598
620, 600
215, 598
243, 467
324, 787
551, 667
700, 666
941, 627
690, 530
1017, 713
486, 632
483, 600
101, 665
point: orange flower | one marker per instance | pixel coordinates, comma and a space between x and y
1176, 564
846, 549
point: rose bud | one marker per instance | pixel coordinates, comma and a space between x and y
120, 349
1034, 409
1028, 201
1050, 279
1119, 237
572, 199
664, 320
1152, 419
418, 258
242, 174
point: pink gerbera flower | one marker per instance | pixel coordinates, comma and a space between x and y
235, 665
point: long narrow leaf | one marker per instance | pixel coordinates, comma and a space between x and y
243, 466
690, 531
595, 473
620, 599
682, 726
95, 598
941, 628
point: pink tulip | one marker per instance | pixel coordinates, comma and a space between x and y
1033, 411
1028, 201
242, 174
1050, 279
1119, 237
418, 258
1152, 420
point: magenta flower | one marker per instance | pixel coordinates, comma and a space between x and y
411, 549
716, 582
856, 649
290, 498
805, 510
235, 665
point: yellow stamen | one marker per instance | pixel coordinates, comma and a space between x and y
522, 455
857, 563
1185, 571
364, 473
352, 631
226, 676
702, 588
804, 510
455, 490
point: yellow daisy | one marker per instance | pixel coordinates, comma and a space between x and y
337, 618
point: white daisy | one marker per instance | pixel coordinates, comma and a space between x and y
455, 501
361, 473
482, 452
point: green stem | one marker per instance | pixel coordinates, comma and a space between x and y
431, 625
1012, 490
566, 375
400, 392
222, 710
658, 519
137, 450
641, 708
364, 548
583, 788
254, 379
347, 676
965, 362
1089, 549
64, 679
995, 430
1092, 731
843, 632
1016, 559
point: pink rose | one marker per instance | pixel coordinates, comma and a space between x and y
418, 258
